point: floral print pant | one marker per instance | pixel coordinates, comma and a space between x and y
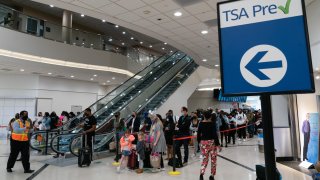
208, 149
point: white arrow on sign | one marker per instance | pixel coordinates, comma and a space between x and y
263, 66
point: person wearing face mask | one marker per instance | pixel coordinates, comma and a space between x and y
89, 128
134, 124
20, 143
183, 130
119, 127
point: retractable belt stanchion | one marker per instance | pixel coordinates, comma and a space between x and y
47, 139
174, 172
116, 163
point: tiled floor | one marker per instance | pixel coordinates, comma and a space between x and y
246, 154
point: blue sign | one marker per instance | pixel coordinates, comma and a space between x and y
264, 47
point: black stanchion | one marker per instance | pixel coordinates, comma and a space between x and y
269, 154
174, 156
47, 139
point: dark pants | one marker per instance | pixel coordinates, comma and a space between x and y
251, 130
305, 145
242, 132
232, 134
224, 135
185, 144
17, 147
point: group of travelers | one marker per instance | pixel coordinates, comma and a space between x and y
51, 121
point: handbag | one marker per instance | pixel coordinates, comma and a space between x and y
112, 146
155, 160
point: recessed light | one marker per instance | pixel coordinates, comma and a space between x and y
150, 46
51, 5
163, 48
104, 83
116, 26
217, 65
103, 20
317, 77
131, 38
122, 44
82, 15
204, 60
165, 43
171, 51
91, 79
141, 42
113, 78
110, 40
108, 81
204, 32
123, 32
95, 75
178, 14
72, 76
21, 70
49, 73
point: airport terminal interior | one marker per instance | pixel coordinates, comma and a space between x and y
159, 89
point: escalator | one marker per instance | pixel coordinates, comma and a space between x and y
128, 100
154, 101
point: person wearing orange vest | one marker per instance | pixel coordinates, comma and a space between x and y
20, 142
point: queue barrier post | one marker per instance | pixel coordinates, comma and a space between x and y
47, 139
116, 163
174, 172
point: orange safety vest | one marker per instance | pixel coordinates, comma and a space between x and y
23, 136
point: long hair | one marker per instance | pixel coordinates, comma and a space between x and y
155, 120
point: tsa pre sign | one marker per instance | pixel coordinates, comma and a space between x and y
264, 47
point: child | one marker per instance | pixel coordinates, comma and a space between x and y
140, 152
126, 147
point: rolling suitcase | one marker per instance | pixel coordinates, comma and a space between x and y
84, 157
133, 160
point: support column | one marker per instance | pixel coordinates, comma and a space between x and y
67, 26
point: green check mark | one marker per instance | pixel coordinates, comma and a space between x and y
286, 9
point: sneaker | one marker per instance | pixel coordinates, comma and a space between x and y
211, 177
163, 169
9, 170
118, 169
29, 171
139, 171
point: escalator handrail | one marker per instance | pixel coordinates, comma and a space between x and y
139, 93
45, 132
168, 56
163, 87
57, 136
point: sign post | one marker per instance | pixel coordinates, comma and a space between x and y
264, 50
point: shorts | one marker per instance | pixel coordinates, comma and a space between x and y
126, 153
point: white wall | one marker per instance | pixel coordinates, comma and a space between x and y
180, 97
63, 92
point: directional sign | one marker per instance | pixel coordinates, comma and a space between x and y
264, 47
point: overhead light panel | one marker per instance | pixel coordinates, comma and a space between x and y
123, 32
204, 32
72, 76
49, 73
51, 5
116, 26
22, 70
103, 20
82, 15
131, 38
204, 60
91, 79
95, 75
178, 14
217, 65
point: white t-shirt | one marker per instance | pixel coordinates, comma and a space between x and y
241, 119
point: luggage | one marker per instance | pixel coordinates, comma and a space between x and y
146, 161
133, 160
112, 146
155, 159
84, 157
261, 173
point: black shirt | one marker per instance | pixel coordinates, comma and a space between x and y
208, 131
184, 126
88, 123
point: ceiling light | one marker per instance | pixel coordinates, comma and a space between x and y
171, 51
22, 70
103, 20
104, 83
204, 60
131, 38
113, 78
49, 73
165, 43
82, 15
317, 77
72, 76
122, 44
108, 81
317, 69
204, 32
123, 32
95, 75
116, 26
163, 48
141, 42
51, 5
110, 40
178, 14
217, 65
91, 79
150, 46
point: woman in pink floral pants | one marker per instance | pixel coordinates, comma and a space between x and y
209, 143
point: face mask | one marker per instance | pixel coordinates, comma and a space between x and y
133, 115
